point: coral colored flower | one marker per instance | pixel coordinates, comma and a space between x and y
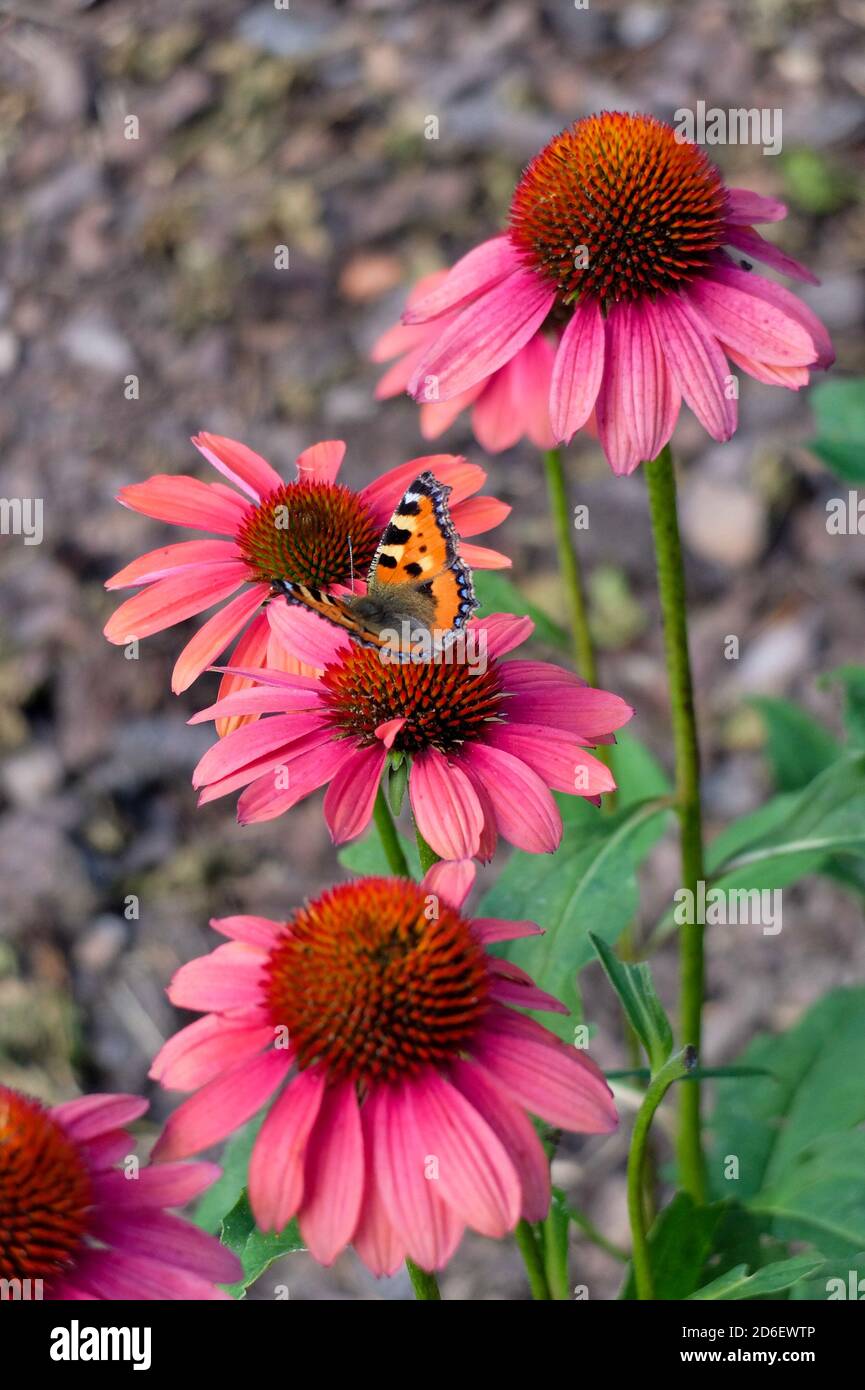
77, 1227
487, 739
312, 530
510, 403
408, 1072
616, 243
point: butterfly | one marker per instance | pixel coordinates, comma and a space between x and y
419, 592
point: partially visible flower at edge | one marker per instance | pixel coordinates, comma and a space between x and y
486, 743
615, 247
312, 530
77, 1227
509, 404
409, 1072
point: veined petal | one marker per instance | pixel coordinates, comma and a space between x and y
186, 501
475, 1174
222, 1105
480, 269
451, 879
214, 637
578, 370
611, 408
745, 207
516, 1132
170, 601
321, 463
276, 1167
230, 977
752, 325
697, 364
483, 337
445, 806
525, 812
556, 756
349, 799
333, 1174
207, 1048
754, 245
308, 637
788, 303
169, 559
240, 464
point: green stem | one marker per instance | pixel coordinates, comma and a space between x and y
425, 1285
389, 838
673, 1070
527, 1241
591, 1232
569, 565
553, 1233
661, 481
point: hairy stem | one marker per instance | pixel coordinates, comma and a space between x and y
569, 566
671, 587
533, 1260
389, 838
673, 1070
424, 1285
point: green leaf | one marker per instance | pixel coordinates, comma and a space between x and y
589, 885
680, 1242
255, 1249
500, 595
798, 747
695, 1074
633, 984
397, 785
795, 835
839, 409
639, 776
226, 1191
838, 1279
852, 679
739, 1284
801, 1157
814, 182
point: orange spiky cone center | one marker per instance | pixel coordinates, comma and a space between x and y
616, 208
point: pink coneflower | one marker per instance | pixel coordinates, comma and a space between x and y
73, 1226
409, 1073
507, 405
312, 531
487, 739
616, 243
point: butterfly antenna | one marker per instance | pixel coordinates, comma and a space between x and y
351, 562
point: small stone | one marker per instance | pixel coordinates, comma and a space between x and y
101, 944
723, 522
91, 340
31, 775
45, 884
774, 658
640, 25
10, 351
366, 277
283, 32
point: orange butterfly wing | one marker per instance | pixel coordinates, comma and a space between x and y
417, 555
419, 548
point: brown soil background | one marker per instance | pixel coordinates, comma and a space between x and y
155, 256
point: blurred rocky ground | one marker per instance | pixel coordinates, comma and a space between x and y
154, 257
